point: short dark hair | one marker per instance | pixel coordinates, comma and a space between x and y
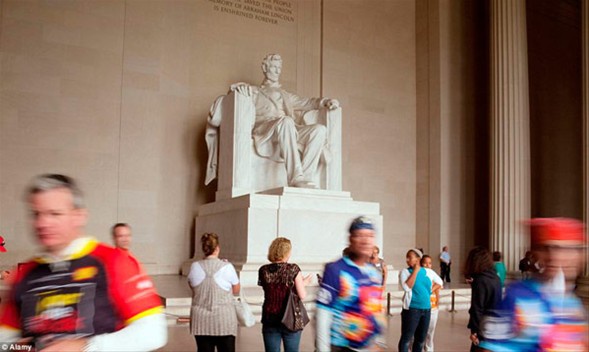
496, 256
117, 225
423, 259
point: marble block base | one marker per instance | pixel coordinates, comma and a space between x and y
316, 222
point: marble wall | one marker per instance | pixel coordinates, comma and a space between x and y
116, 93
369, 55
60, 108
451, 64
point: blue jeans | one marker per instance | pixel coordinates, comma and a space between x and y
274, 335
414, 323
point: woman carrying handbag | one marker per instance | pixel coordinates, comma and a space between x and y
280, 280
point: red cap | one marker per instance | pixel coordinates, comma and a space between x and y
2, 244
557, 231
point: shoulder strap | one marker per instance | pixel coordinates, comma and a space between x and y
210, 267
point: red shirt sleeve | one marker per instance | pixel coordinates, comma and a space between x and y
132, 291
9, 314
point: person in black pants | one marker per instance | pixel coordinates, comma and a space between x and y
445, 263
479, 271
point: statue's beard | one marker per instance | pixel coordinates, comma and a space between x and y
272, 78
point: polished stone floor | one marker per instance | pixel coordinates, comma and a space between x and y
451, 335
451, 332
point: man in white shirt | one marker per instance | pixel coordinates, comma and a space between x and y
445, 264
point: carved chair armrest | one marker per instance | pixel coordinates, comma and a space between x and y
244, 110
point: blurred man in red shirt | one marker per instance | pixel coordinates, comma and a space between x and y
78, 294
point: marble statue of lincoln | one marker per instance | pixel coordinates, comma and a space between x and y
276, 133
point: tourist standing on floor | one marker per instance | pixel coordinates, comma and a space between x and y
379, 263
543, 313
528, 265
445, 264
418, 285
278, 280
426, 262
213, 321
499, 267
349, 302
486, 290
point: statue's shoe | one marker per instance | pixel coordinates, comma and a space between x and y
305, 184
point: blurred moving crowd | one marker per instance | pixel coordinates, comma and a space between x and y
79, 294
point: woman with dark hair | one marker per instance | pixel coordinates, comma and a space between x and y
213, 282
479, 270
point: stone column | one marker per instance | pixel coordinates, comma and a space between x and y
583, 283
585, 48
510, 135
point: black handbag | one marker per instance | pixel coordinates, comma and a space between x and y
295, 316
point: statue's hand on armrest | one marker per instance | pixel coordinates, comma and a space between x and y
242, 88
331, 104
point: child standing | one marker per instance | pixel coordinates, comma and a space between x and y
426, 262
415, 318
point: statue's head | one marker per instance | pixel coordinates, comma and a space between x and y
272, 67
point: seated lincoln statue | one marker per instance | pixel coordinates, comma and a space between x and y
276, 133
288, 131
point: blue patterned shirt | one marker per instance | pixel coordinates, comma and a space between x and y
353, 294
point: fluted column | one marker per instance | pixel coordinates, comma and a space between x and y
585, 46
583, 283
510, 140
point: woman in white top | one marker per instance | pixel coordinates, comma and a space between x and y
213, 282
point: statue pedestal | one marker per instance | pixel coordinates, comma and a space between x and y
316, 221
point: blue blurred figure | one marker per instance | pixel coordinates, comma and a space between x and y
349, 302
542, 313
